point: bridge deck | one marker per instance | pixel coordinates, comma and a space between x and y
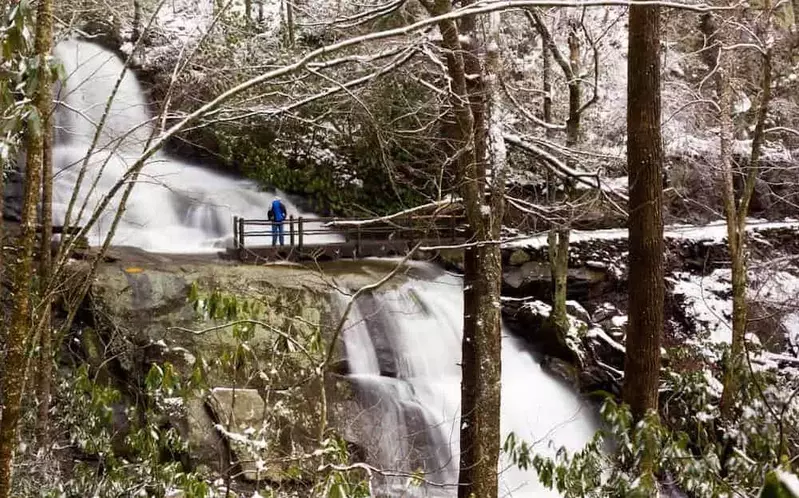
333, 251
359, 238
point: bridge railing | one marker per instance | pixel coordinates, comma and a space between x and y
297, 231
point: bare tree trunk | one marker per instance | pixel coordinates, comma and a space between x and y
290, 36
45, 271
488, 282
469, 378
736, 213
2, 225
558, 247
559, 237
645, 166
20, 327
575, 97
136, 28
546, 68
481, 366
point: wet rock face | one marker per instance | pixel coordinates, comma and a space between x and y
140, 313
240, 414
145, 309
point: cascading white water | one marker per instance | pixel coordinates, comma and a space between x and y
403, 347
175, 206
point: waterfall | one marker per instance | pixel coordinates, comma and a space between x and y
403, 348
175, 206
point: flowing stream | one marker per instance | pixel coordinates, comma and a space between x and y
175, 206
403, 348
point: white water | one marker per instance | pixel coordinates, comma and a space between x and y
412, 421
175, 206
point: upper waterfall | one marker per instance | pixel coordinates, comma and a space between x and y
175, 206
403, 347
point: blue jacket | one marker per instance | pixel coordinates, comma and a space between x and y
278, 211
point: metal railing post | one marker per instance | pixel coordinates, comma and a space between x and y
291, 230
241, 233
358, 240
235, 232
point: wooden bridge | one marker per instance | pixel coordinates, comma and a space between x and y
334, 238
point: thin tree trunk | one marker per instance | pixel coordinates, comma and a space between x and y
45, 271
546, 68
136, 28
575, 97
559, 237
290, 22
20, 326
645, 166
558, 248
2, 226
736, 220
733, 239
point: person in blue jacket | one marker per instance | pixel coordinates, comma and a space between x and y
277, 215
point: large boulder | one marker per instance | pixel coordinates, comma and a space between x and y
149, 309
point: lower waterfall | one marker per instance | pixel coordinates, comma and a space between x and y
403, 347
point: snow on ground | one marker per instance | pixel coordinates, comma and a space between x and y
791, 324
714, 232
707, 302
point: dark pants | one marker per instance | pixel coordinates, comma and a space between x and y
277, 229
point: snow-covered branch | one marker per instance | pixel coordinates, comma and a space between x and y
561, 169
438, 205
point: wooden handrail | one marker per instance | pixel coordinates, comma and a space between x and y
411, 227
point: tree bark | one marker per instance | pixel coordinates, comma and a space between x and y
558, 247
481, 364
546, 68
645, 165
290, 36
45, 271
469, 378
20, 326
136, 28
575, 97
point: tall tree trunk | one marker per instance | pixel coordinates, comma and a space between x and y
469, 173
2, 229
645, 166
558, 239
20, 326
736, 213
481, 366
45, 271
